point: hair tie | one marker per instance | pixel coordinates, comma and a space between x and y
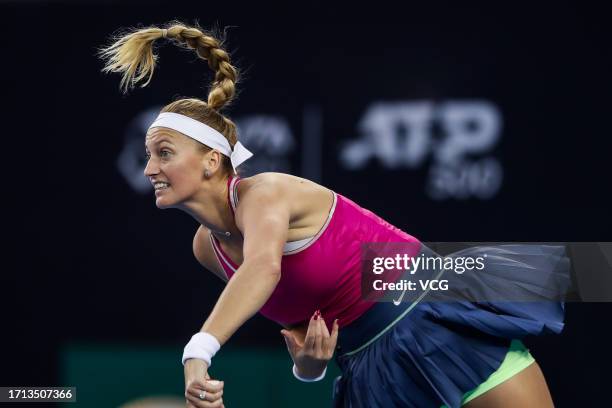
164, 33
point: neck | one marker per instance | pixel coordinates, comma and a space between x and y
210, 208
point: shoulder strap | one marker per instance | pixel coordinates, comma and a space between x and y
232, 192
223, 259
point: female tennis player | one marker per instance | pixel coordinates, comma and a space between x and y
291, 249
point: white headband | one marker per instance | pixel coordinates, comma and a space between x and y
203, 134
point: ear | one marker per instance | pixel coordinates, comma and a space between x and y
212, 162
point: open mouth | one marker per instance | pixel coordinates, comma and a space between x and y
161, 186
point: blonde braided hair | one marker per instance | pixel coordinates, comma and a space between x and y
131, 54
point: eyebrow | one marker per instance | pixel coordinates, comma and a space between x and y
163, 139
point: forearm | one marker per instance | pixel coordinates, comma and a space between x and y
244, 295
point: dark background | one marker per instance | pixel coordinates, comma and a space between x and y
87, 258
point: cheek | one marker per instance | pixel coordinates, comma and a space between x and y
182, 176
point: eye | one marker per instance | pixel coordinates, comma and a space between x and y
164, 153
147, 156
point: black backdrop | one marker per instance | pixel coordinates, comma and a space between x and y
88, 257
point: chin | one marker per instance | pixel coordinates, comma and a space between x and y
162, 204
173, 200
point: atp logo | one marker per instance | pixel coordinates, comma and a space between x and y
456, 135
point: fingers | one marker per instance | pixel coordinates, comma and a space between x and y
309, 341
291, 341
324, 330
328, 341
212, 391
208, 396
318, 344
213, 386
334, 335
191, 405
198, 403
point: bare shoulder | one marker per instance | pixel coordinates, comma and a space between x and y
270, 183
267, 192
306, 202
266, 181
263, 196
204, 253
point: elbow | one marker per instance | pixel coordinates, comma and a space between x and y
264, 264
270, 274
274, 270
268, 268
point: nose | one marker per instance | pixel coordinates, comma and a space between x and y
152, 168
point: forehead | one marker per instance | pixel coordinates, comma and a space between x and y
158, 135
161, 134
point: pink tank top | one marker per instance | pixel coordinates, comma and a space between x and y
324, 274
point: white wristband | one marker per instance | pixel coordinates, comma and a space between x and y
202, 346
319, 378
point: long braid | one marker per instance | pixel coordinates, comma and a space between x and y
132, 55
209, 48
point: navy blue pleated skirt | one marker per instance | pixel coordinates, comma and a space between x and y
430, 352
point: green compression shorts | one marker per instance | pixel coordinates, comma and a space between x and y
517, 359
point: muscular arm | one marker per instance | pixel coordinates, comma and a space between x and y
263, 217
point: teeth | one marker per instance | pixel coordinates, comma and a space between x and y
161, 185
